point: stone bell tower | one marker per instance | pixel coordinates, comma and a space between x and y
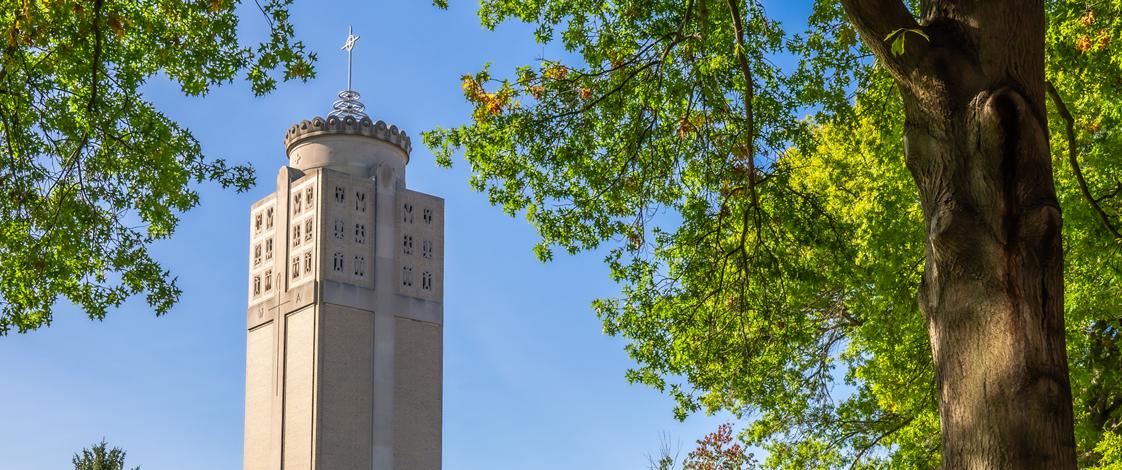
344, 327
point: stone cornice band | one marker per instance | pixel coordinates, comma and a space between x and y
347, 126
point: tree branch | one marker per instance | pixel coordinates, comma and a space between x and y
889, 432
1072, 152
96, 61
875, 20
749, 96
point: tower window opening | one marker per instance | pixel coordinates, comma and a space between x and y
427, 216
296, 204
256, 286
269, 218
309, 196
426, 249
296, 235
268, 249
339, 229
257, 224
308, 230
337, 264
407, 213
426, 280
296, 267
257, 254
308, 262
268, 280
407, 276
340, 194
407, 244
360, 201
360, 266
360, 233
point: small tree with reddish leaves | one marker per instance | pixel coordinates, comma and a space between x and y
719, 451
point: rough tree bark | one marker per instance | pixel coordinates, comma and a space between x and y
976, 138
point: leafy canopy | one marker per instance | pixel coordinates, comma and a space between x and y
91, 173
759, 218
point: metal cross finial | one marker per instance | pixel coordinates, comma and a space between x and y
348, 46
348, 104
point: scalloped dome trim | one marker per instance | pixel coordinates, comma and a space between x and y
348, 126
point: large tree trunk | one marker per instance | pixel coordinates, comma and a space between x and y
976, 138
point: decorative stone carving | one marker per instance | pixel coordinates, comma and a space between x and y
360, 234
349, 215
337, 262
419, 273
302, 233
260, 249
360, 201
360, 266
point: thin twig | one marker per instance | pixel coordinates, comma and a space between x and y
887, 433
1072, 152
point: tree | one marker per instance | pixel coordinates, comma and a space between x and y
91, 173
718, 450
100, 458
758, 251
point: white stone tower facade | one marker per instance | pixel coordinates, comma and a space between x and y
344, 328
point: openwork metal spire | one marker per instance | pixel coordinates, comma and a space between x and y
348, 104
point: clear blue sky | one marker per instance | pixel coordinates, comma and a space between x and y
530, 381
